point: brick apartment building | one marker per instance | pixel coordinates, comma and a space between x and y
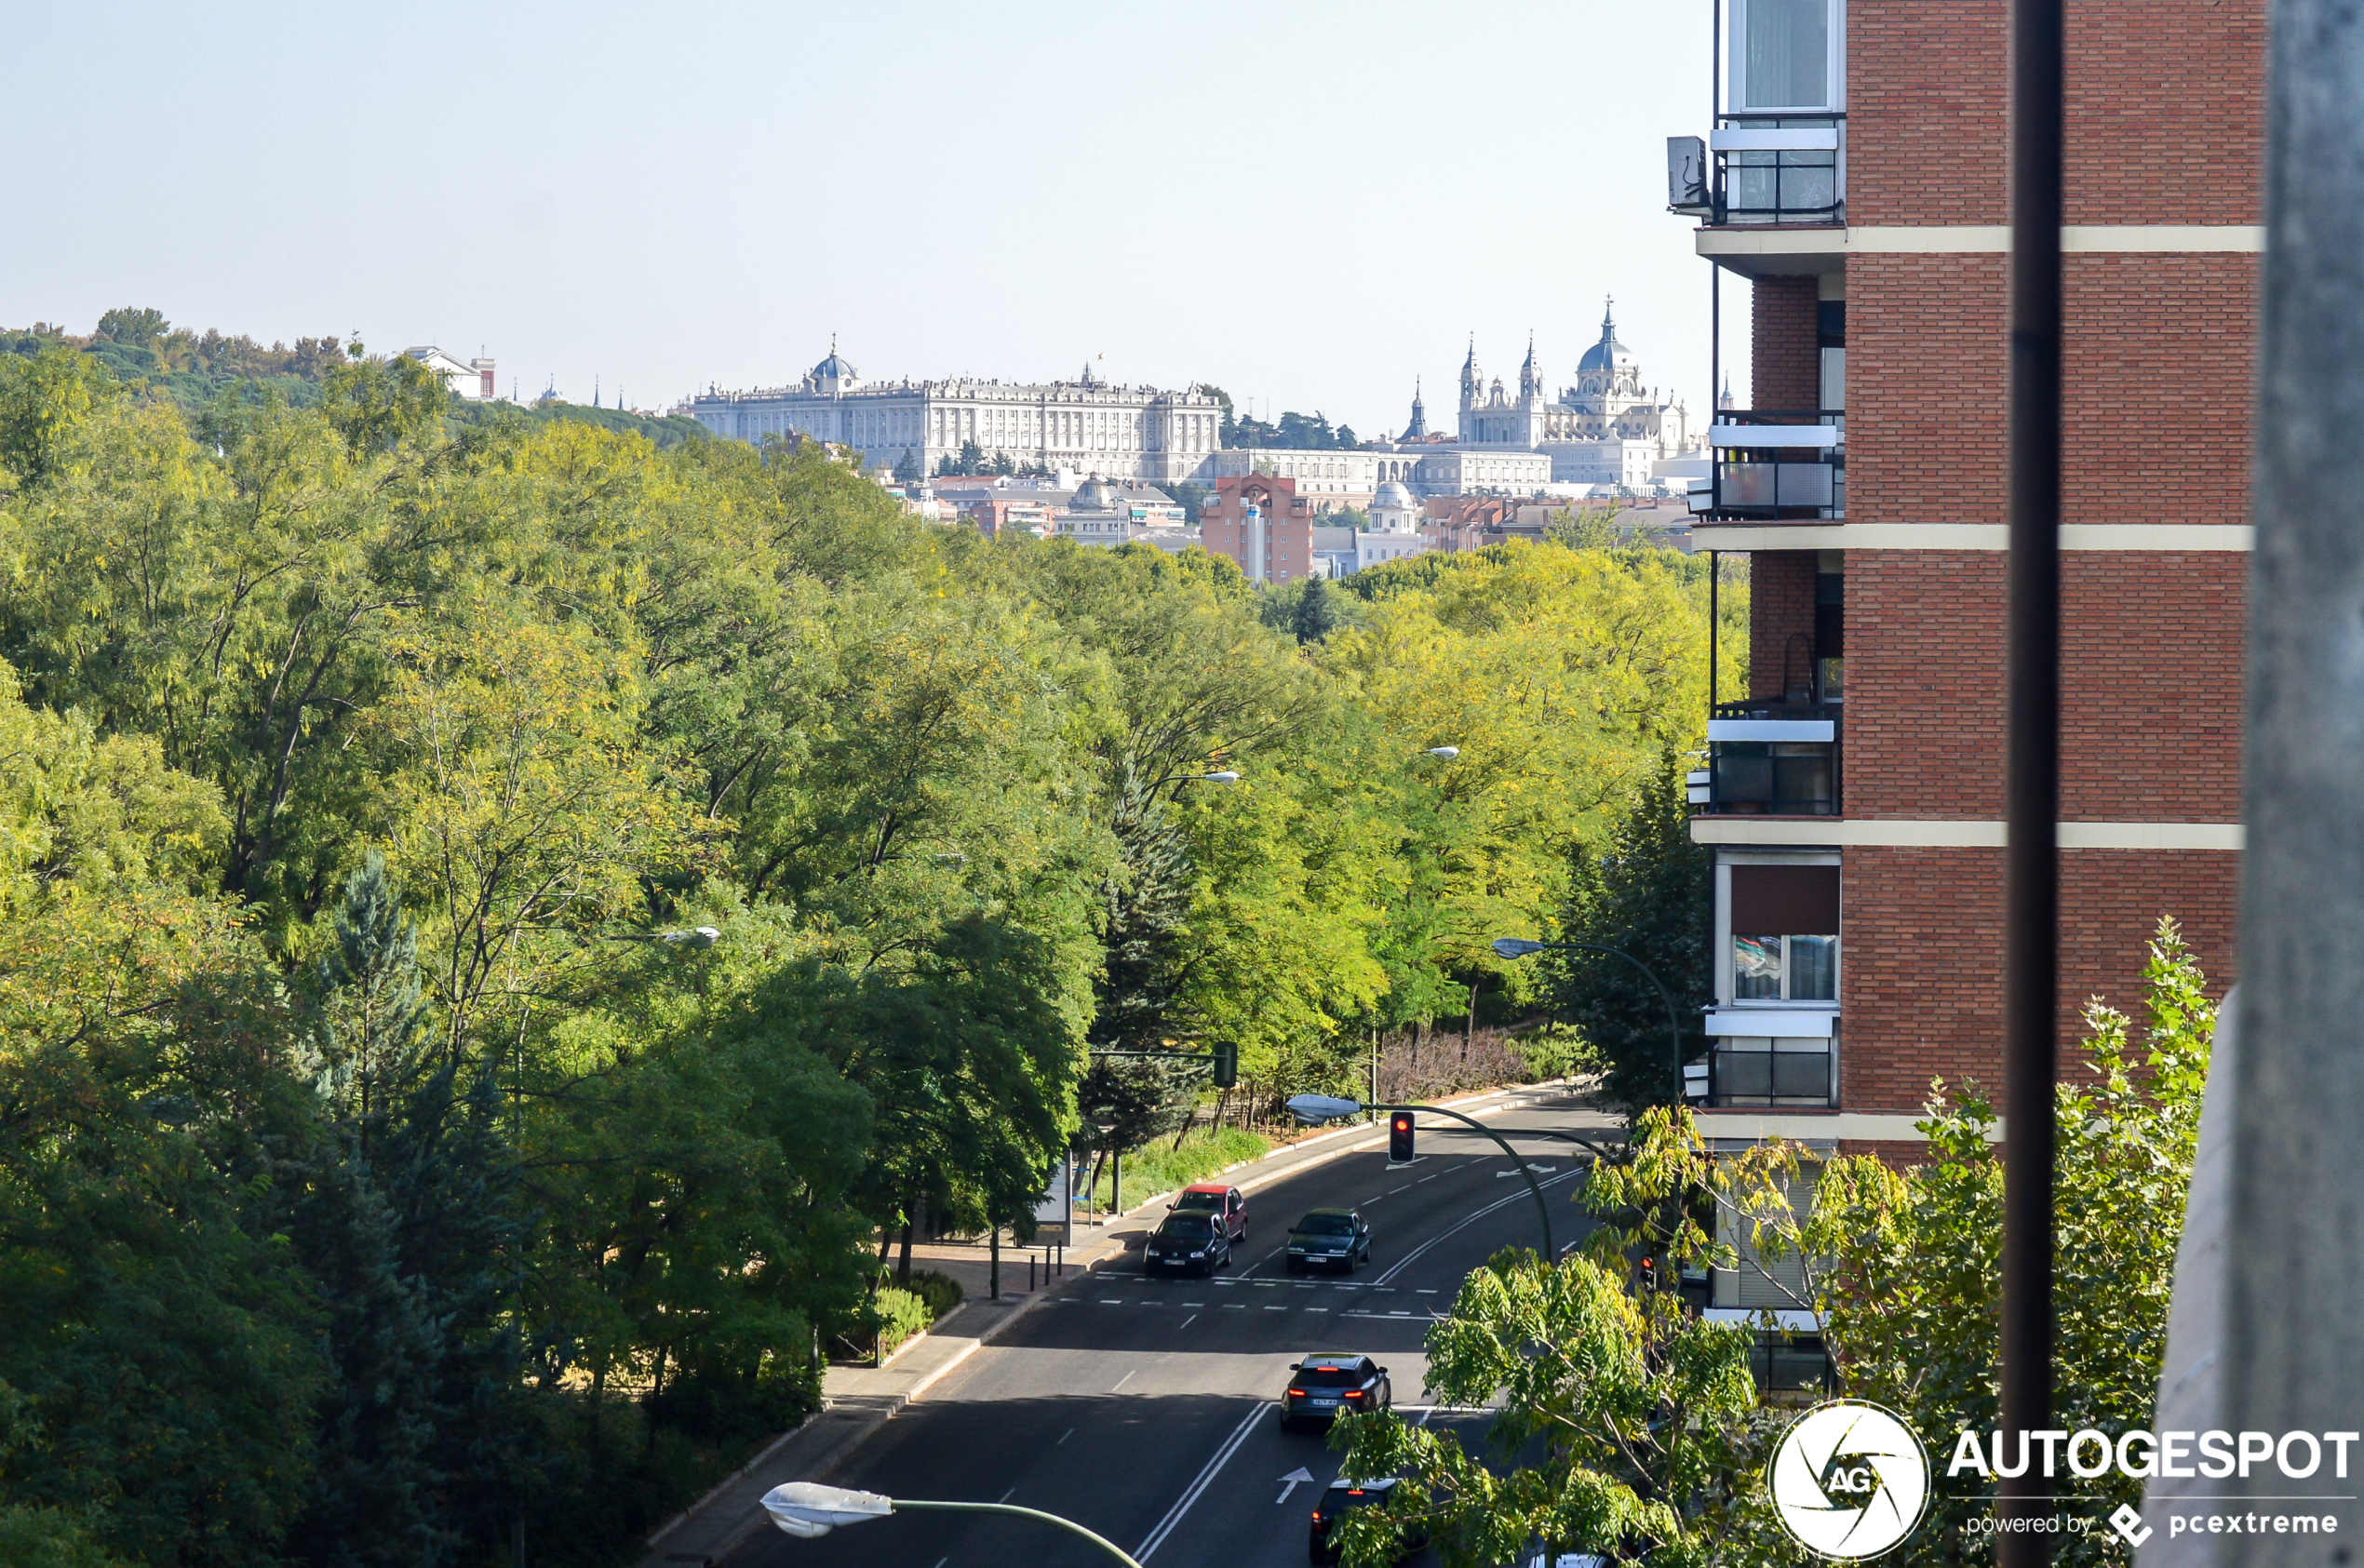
1855, 175
1262, 524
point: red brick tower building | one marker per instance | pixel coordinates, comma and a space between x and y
1857, 176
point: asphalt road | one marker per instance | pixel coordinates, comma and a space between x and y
1143, 1407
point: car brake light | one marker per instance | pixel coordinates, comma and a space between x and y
1354, 1393
1296, 1393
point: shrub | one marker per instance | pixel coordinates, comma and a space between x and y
940, 1292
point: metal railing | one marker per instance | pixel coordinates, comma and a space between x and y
1773, 463
1767, 756
1788, 168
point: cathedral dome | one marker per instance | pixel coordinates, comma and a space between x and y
1393, 496
1608, 353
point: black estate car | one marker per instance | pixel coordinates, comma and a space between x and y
1339, 1497
1324, 1385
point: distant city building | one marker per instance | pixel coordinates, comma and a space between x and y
1608, 429
1328, 479
1108, 514
1264, 527
471, 380
1395, 533
1086, 424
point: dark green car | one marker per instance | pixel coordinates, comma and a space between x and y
1330, 1238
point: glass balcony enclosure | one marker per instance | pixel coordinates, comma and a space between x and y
1771, 464
1769, 756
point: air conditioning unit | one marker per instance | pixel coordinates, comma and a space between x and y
1686, 176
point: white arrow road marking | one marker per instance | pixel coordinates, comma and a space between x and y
1298, 1475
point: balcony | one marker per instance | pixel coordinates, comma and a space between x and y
1759, 171
1774, 465
1770, 756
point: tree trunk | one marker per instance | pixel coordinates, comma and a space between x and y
910, 1224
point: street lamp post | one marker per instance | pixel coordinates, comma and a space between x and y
1519, 947
1311, 1108
807, 1509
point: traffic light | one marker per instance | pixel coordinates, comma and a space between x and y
1227, 1064
1399, 1138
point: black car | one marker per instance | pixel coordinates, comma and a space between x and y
1337, 1238
1341, 1495
1325, 1386
1188, 1241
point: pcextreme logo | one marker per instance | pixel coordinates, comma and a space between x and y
1849, 1480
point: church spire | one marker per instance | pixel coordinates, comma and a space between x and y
1419, 429
1530, 377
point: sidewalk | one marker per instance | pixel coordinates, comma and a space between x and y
857, 1401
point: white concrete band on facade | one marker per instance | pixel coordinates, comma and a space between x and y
1955, 239
1955, 832
2192, 537
1819, 1126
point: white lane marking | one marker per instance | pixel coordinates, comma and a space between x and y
1406, 1188
1431, 1178
1233, 1306
1063, 1436
1276, 1309
1424, 1293
1194, 1303
1407, 1259
1205, 1477
1317, 1310
1111, 1301
1188, 1321
1122, 1381
941, 1562
1007, 1495
1298, 1477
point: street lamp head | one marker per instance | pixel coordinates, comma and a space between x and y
1516, 947
1225, 776
807, 1509
1448, 753
1312, 1108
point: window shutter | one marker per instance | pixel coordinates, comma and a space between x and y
1785, 900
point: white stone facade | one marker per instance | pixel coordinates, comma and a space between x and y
1088, 426
1608, 429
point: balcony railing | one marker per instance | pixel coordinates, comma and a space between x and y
1767, 756
1762, 169
1775, 463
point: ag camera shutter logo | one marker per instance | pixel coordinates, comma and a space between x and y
1849, 1480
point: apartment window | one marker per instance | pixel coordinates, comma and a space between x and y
1784, 54
1785, 921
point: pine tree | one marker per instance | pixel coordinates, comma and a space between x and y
374, 1002
1145, 912
1650, 894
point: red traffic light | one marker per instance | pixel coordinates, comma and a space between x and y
1399, 1137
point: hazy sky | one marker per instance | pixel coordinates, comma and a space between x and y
1305, 203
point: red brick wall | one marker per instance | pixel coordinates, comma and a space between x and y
2151, 710
1780, 606
1289, 542
2158, 363
1921, 977
2166, 111
1784, 370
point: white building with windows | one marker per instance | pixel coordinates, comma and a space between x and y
1086, 424
471, 379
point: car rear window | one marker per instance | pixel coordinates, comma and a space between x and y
1329, 1377
1199, 1201
1325, 1225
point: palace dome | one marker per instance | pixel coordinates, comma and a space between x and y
1394, 496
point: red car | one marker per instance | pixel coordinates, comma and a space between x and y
1214, 1198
